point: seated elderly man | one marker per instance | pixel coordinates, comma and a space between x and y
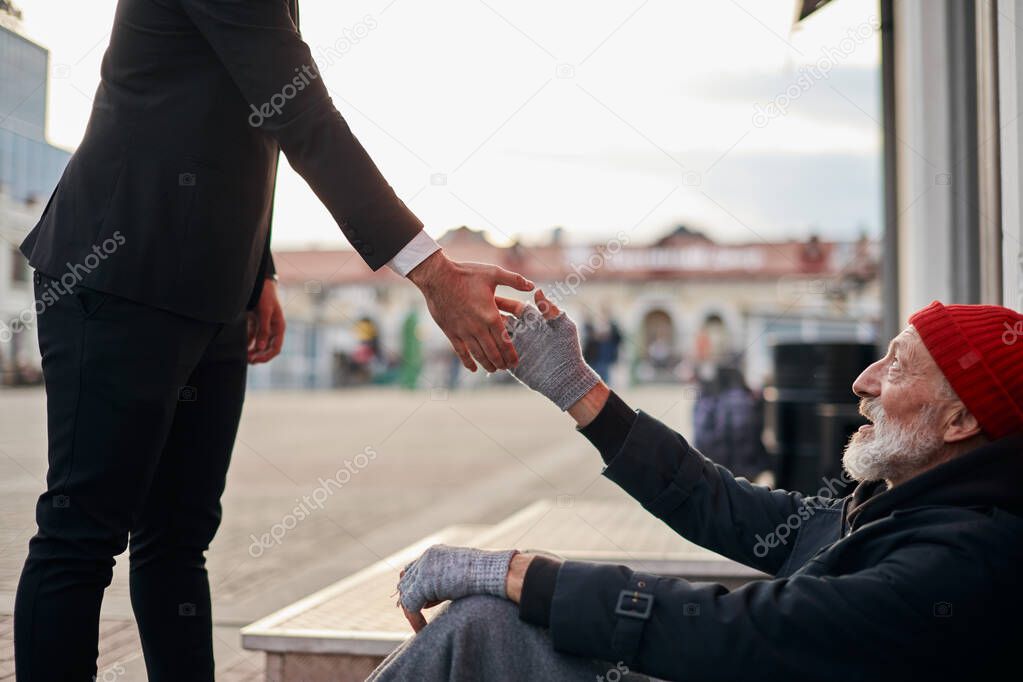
915, 575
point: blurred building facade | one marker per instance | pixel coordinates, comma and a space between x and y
29, 169
666, 298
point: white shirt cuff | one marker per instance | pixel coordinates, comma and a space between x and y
415, 252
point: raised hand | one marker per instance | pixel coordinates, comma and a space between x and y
460, 297
550, 356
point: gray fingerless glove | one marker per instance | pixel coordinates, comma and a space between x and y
550, 357
444, 572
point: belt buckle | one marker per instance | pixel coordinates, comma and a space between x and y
635, 604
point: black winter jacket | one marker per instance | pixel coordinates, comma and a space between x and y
917, 582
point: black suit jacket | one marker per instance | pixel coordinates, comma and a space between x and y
168, 198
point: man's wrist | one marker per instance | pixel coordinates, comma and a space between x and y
517, 568
430, 269
418, 249
586, 409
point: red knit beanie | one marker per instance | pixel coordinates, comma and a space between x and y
979, 349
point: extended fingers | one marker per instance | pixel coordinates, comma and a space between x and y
462, 352
479, 354
504, 344
547, 308
490, 347
544, 307
511, 279
509, 305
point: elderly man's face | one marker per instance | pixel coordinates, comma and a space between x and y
904, 395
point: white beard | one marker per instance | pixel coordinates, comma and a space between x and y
891, 452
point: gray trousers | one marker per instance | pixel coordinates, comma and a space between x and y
481, 639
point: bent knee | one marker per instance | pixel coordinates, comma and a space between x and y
482, 608
476, 616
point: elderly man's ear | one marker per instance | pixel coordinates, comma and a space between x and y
961, 425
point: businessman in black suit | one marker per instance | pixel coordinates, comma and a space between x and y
155, 288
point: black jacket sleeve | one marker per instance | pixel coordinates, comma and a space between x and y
849, 627
259, 45
610, 427
698, 499
266, 271
538, 590
701, 501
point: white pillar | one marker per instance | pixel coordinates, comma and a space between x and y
923, 155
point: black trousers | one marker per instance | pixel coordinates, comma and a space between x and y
142, 410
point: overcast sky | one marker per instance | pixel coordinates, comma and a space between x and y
516, 116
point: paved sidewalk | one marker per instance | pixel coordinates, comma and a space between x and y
416, 461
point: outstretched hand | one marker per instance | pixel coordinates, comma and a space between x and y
544, 306
550, 356
460, 297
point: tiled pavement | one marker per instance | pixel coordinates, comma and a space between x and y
440, 458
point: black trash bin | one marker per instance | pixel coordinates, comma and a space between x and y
811, 410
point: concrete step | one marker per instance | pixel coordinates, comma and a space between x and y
342, 632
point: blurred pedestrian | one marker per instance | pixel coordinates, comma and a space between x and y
728, 421
366, 359
600, 346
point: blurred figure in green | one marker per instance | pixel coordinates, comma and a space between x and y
411, 351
